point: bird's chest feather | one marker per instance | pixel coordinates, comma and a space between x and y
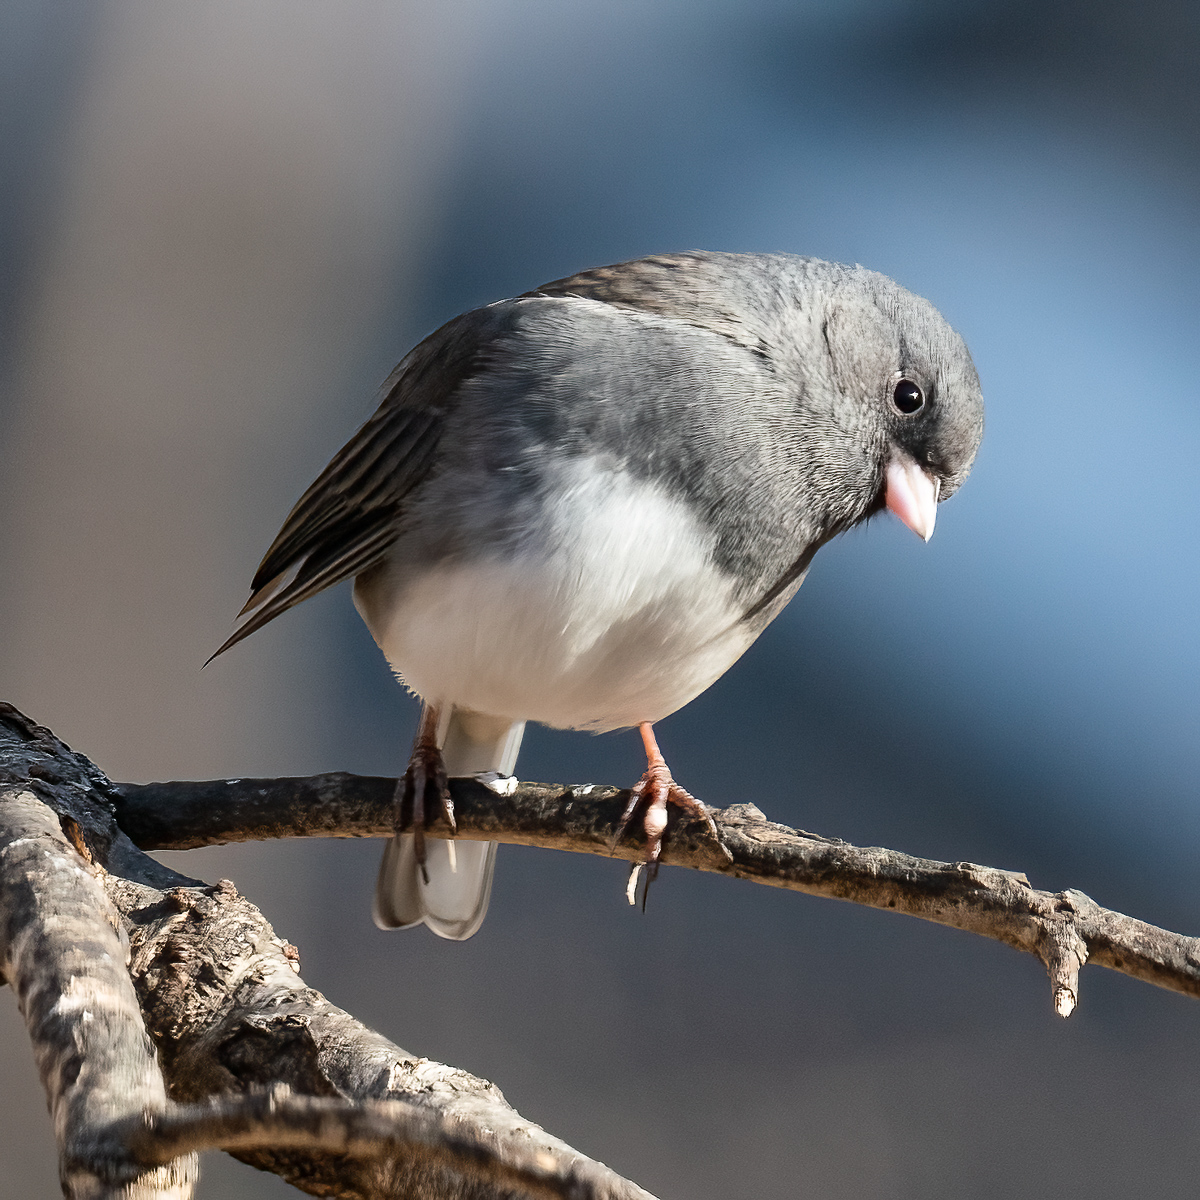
605, 611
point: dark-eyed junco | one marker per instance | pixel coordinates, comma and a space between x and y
580, 507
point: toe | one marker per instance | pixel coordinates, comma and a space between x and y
654, 825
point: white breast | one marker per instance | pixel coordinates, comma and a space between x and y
612, 613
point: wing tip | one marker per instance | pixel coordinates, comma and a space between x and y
231, 641
266, 612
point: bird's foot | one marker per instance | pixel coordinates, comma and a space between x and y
654, 793
423, 793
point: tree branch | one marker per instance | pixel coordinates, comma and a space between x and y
1063, 929
62, 951
224, 1001
104, 946
277, 1119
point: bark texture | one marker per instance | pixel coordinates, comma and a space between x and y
63, 951
167, 1017
1064, 929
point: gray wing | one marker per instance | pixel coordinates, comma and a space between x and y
727, 294
349, 517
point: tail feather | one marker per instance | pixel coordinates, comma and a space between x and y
454, 901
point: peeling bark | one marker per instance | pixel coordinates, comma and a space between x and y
224, 1000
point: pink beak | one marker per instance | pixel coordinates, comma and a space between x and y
912, 495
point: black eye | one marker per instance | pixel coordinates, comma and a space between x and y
908, 397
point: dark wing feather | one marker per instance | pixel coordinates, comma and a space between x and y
348, 518
316, 574
367, 478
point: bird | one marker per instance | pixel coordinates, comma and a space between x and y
580, 506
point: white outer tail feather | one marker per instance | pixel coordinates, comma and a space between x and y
455, 900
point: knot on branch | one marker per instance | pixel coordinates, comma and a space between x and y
68, 783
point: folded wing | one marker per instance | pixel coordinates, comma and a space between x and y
349, 517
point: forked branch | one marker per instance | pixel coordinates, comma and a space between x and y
166, 1017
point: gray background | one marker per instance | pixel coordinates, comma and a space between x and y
222, 223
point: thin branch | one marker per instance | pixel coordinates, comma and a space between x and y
277, 1119
1063, 929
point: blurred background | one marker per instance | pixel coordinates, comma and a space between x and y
220, 226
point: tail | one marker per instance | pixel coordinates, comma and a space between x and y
454, 901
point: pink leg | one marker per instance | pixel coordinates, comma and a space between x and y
657, 789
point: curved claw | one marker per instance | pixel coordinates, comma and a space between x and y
635, 796
657, 790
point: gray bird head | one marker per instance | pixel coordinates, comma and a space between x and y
903, 393
874, 393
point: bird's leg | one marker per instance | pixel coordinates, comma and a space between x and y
656, 789
424, 785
